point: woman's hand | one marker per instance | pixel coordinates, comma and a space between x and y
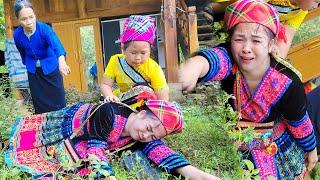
63, 67
189, 72
112, 178
206, 176
311, 159
192, 172
111, 98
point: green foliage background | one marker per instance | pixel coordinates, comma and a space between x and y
2, 26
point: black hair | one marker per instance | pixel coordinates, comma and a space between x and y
20, 4
126, 45
148, 111
270, 34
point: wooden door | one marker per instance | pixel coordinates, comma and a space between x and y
68, 39
81, 38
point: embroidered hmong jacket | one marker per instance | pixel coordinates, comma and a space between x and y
103, 132
278, 97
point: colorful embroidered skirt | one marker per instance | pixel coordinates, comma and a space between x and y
284, 160
37, 143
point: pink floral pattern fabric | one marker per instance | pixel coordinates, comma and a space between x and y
256, 106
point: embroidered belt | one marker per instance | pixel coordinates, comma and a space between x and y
263, 136
258, 127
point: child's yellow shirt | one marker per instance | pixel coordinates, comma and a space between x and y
294, 18
149, 70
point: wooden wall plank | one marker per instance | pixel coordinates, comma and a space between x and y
66, 10
170, 40
82, 11
59, 6
8, 15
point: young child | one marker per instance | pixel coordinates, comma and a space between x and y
40, 144
269, 94
135, 67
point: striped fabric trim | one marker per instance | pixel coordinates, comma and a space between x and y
170, 162
219, 63
308, 143
71, 151
288, 65
302, 131
173, 162
17, 70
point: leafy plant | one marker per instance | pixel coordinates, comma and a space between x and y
206, 141
220, 35
3, 69
9, 109
249, 171
8, 172
2, 26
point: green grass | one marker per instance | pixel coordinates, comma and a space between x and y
206, 143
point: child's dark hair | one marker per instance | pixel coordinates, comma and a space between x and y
19, 4
126, 45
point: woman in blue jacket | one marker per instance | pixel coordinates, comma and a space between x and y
44, 56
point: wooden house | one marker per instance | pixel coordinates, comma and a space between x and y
89, 31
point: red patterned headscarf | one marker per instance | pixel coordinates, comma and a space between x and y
168, 113
139, 28
254, 11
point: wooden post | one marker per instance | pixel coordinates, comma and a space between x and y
8, 16
82, 12
193, 29
170, 39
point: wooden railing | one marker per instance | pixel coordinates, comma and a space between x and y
187, 28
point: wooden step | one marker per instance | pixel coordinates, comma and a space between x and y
205, 29
205, 36
208, 43
201, 22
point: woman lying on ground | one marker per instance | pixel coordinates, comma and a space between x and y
40, 144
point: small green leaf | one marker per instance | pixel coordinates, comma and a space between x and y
248, 164
255, 171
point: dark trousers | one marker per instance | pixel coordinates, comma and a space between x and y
314, 112
47, 91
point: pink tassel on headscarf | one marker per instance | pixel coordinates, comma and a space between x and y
146, 95
282, 34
